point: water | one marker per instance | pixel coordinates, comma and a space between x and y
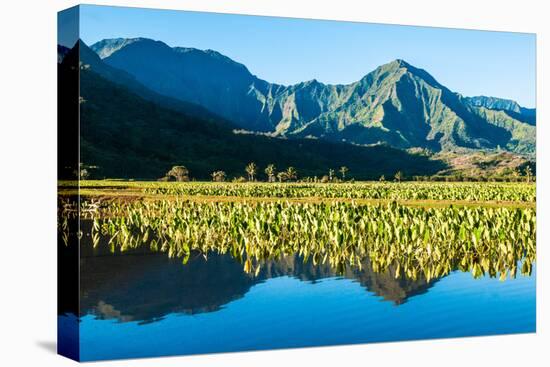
144, 305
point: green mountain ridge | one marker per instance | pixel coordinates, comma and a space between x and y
128, 136
396, 104
508, 106
89, 59
495, 103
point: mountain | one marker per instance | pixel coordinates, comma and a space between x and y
512, 108
494, 103
206, 78
89, 59
396, 104
108, 46
128, 136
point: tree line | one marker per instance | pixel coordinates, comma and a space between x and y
290, 174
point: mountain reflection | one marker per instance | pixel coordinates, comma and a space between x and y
144, 287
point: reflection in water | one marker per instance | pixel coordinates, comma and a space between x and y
167, 308
145, 287
150, 305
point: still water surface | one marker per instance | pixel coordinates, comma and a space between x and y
143, 305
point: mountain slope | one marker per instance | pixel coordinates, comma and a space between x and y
89, 59
206, 78
511, 108
494, 103
406, 107
130, 137
396, 104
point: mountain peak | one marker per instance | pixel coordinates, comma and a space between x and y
396, 65
107, 47
400, 63
309, 83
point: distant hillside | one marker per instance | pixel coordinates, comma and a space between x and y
127, 136
480, 165
494, 103
89, 59
396, 104
512, 108
500, 104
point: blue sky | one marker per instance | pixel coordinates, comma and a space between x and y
288, 51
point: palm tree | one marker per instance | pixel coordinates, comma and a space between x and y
84, 174
270, 172
399, 176
251, 169
343, 171
282, 176
330, 174
291, 173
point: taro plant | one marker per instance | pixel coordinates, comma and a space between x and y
464, 191
412, 240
